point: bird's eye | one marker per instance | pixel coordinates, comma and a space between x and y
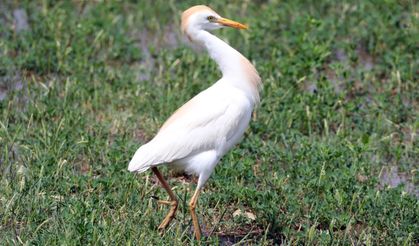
211, 18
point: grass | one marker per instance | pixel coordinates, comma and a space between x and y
83, 85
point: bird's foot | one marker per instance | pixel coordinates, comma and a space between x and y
170, 215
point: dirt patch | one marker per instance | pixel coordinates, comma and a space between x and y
338, 62
392, 177
20, 20
151, 42
9, 83
249, 235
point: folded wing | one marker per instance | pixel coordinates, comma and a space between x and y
204, 123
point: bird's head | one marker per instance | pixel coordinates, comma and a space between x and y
201, 17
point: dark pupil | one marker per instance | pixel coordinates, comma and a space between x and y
210, 18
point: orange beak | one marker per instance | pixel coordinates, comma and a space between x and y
230, 23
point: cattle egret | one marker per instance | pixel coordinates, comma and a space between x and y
204, 129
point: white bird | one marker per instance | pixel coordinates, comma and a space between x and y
204, 129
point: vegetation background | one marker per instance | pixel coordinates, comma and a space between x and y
331, 156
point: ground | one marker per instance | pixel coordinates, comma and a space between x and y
330, 157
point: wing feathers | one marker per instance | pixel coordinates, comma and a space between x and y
204, 123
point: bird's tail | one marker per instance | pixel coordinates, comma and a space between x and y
141, 160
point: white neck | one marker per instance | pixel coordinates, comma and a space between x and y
236, 69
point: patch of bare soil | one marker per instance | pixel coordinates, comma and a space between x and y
392, 177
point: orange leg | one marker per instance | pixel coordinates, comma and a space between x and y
192, 205
173, 201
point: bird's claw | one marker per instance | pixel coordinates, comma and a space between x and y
172, 203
